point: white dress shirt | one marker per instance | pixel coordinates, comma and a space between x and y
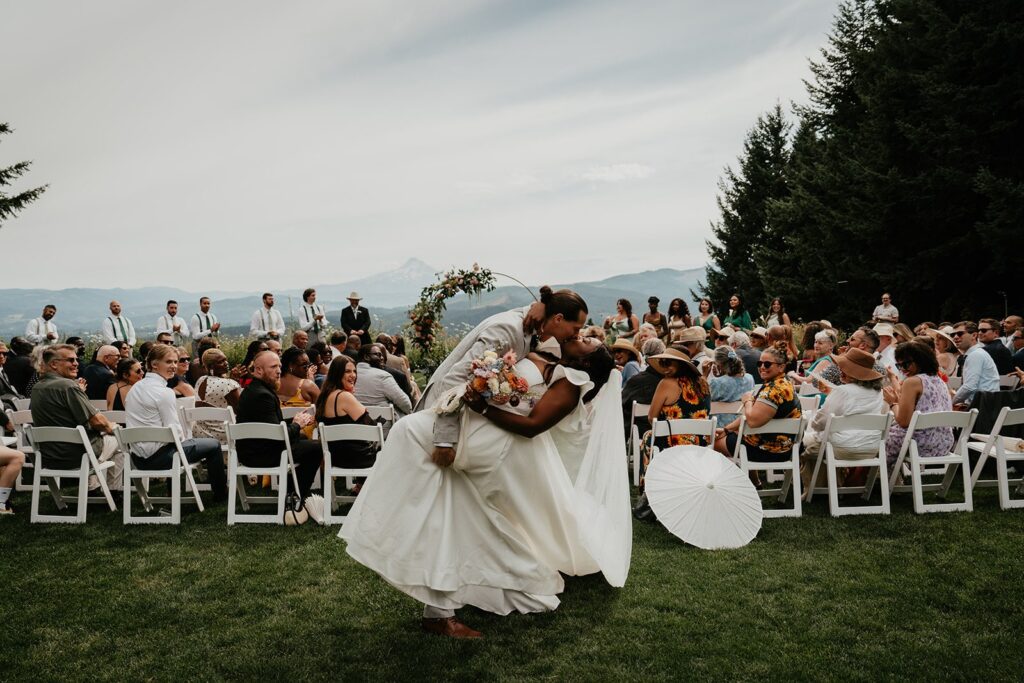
309, 324
375, 387
980, 374
116, 327
150, 403
200, 323
37, 329
847, 399
263, 321
166, 323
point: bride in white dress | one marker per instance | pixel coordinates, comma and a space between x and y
496, 529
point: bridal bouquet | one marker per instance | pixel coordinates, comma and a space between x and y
493, 377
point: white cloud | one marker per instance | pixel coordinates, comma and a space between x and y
617, 173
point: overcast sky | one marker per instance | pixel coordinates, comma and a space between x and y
243, 145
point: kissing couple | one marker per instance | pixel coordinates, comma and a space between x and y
490, 506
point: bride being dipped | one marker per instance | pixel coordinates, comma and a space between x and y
495, 527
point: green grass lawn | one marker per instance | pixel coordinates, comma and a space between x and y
861, 598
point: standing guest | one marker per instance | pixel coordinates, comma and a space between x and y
266, 322
624, 324
641, 388
300, 339
355, 320
151, 404
196, 369
170, 322
242, 373
775, 400
739, 317
123, 349
759, 339
59, 401
217, 390
741, 343
296, 387
204, 324
678, 318
921, 391
627, 359
707, 319
988, 337
682, 394
1010, 327
885, 312
128, 372
11, 462
353, 345
338, 405
777, 314
42, 330
117, 327
259, 403
945, 349
979, 370
656, 318
99, 374
312, 317
179, 383
376, 386
730, 382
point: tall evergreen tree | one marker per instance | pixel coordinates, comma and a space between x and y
743, 204
11, 204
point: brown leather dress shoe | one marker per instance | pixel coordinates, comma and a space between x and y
450, 627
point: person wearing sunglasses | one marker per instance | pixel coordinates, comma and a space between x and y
297, 388
128, 373
179, 382
978, 371
776, 399
922, 390
988, 337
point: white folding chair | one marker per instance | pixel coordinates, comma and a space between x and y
957, 457
19, 419
639, 410
373, 434
99, 404
843, 423
118, 417
808, 389
22, 403
808, 405
1005, 450
37, 436
289, 412
662, 428
139, 478
725, 407
1008, 382
791, 468
384, 415
189, 417
238, 472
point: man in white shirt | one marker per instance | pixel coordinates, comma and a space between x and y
41, 330
886, 312
979, 371
117, 327
204, 323
266, 322
312, 318
376, 386
173, 323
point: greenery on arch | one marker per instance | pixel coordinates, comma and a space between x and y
425, 316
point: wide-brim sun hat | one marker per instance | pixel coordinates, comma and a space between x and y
623, 345
944, 332
692, 334
883, 329
858, 364
759, 332
726, 332
664, 362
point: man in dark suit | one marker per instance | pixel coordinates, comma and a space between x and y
7, 391
259, 403
355, 319
19, 364
99, 374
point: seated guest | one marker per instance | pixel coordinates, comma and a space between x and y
692, 342
339, 341
241, 373
730, 381
627, 359
748, 355
775, 400
945, 349
401, 379
866, 339
901, 332
886, 351
151, 403
259, 403
923, 391
296, 388
99, 374
1011, 324
320, 357
593, 332
275, 346
217, 390
179, 384
682, 394
300, 340
824, 364
144, 349
196, 369
59, 401
128, 372
79, 345
337, 405
859, 393
988, 337
8, 394
376, 386
646, 331
397, 360
19, 366
979, 370
123, 349
784, 334
758, 339
11, 462
352, 345
1018, 348
807, 343
641, 387
165, 338
722, 337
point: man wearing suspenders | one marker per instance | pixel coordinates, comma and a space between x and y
312, 318
266, 322
40, 330
204, 323
173, 323
117, 327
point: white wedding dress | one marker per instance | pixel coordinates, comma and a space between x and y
496, 528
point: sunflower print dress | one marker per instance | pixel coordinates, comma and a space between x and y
692, 405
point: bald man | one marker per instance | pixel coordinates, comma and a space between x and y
99, 374
117, 327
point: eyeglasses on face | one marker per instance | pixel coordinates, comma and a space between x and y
184, 360
985, 329
958, 334
767, 363
904, 365
68, 360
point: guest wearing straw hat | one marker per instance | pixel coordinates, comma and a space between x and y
886, 350
356, 319
682, 394
945, 349
759, 338
692, 342
859, 393
627, 358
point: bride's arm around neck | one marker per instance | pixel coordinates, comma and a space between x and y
559, 400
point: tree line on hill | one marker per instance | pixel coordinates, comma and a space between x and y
902, 174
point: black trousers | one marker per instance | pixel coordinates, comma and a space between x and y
307, 456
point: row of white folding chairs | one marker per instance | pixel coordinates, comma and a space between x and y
1006, 382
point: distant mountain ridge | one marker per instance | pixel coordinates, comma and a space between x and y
388, 295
